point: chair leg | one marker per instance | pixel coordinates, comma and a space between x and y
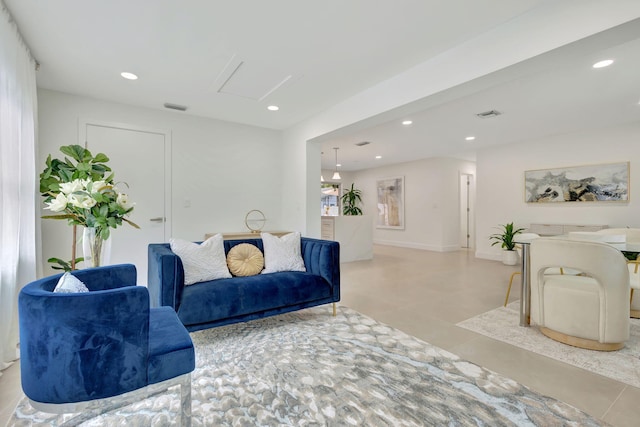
509, 288
185, 402
334, 309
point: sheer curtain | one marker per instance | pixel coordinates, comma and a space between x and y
18, 200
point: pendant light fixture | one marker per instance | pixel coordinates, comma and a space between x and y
336, 174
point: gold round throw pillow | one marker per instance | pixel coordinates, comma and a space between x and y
245, 259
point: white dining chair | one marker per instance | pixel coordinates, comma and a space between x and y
632, 235
589, 310
530, 236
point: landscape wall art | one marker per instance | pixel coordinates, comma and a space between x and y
591, 183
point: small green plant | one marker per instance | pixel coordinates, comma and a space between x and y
350, 200
505, 238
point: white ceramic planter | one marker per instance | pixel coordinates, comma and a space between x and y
509, 257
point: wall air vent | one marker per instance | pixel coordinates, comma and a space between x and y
363, 143
488, 114
175, 106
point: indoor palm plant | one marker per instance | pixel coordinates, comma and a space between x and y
350, 200
78, 189
506, 240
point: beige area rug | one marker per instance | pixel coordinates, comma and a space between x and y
502, 324
311, 369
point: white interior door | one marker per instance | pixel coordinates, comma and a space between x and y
141, 159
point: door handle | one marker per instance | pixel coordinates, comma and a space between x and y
158, 219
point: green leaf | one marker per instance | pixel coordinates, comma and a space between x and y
66, 175
63, 265
77, 152
101, 158
84, 167
98, 197
133, 224
62, 216
104, 233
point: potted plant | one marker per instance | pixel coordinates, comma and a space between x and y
350, 200
506, 240
80, 189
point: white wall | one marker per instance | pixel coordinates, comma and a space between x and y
432, 202
224, 169
500, 184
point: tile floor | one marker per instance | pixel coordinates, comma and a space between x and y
425, 294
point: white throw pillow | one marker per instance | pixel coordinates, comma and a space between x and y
282, 253
70, 284
203, 262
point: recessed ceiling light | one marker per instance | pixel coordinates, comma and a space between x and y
602, 64
378, 157
470, 138
339, 165
129, 76
407, 122
273, 108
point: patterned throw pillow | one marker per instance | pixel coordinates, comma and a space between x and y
70, 284
203, 262
282, 253
245, 260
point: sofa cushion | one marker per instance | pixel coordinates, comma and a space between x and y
227, 298
282, 253
245, 259
203, 262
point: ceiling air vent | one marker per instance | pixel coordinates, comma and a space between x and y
488, 114
175, 106
363, 143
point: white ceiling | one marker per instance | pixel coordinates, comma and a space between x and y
230, 60
555, 93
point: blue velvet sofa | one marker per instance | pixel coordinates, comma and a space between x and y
78, 349
238, 299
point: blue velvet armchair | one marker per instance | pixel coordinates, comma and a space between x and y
91, 352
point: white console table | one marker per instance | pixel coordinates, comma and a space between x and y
245, 234
558, 229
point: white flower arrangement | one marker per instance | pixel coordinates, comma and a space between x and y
81, 193
78, 198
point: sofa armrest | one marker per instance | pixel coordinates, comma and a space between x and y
165, 278
322, 257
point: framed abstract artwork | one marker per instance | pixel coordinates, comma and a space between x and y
592, 183
390, 193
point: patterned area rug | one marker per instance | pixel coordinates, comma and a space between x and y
311, 369
502, 324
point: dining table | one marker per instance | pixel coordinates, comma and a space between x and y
629, 249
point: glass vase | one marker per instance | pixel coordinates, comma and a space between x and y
96, 250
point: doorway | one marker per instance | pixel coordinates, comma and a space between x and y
140, 158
